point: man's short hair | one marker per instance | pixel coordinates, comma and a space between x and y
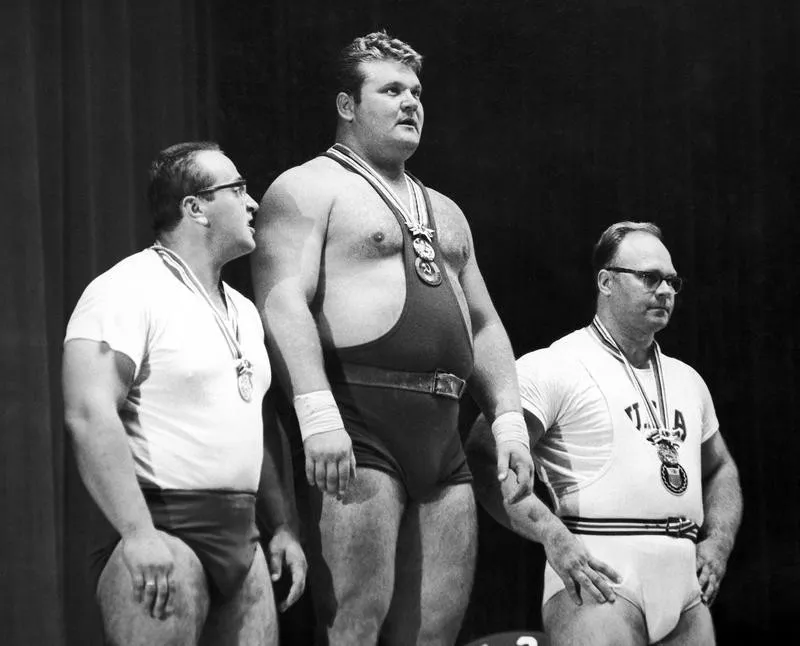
606, 247
377, 46
174, 174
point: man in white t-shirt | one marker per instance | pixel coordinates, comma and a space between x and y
164, 374
645, 496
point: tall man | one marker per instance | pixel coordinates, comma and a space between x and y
645, 493
377, 315
164, 375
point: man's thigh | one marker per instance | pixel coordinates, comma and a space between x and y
593, 624
435, 565
127, 622
249, 618
352, 552
694, 627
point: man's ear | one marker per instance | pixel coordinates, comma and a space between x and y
604, 282
345, 106
193, 208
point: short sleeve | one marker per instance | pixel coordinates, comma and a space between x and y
113, 312
542, 380
708, 415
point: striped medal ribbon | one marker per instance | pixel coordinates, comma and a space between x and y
182, 271
416, 221
673, 475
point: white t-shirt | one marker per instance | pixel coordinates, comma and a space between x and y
187, 425
594, 455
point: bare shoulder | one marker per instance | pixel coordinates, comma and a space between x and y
446, 206
309, 188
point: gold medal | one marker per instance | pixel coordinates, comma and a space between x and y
424, 249
428, 272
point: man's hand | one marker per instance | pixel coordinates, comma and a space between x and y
150, 563
330, 463
284, 548
514, 456
712, 561
577, 568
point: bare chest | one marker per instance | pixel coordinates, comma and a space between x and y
362, 226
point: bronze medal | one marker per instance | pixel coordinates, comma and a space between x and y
674, 478
428, 271
423, 249
667, 453
673, 475
245, 380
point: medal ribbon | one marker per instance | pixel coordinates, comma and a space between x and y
417, 225
183, 272
608, 342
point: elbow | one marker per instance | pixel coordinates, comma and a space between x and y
82, 421
77, 423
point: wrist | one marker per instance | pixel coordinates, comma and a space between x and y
511, 427
286, 529
135, 532
719, 540
551, 530
317, 413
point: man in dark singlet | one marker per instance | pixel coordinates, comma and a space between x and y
377, 317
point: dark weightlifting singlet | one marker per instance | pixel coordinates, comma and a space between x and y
412, 436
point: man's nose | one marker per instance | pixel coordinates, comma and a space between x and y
250, 203
665, 288
410, 102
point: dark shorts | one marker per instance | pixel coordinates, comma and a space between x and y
218, 526
411, 436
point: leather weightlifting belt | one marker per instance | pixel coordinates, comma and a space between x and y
674, 526
439, 383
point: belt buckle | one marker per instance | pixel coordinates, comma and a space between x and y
448, 385
674, 528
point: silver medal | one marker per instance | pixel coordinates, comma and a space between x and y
244, 380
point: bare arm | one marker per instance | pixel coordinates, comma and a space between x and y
290, 235
96, 380
532, 519
494, 379
276, 502
722, 507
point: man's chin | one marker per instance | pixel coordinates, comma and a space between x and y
659, 318
243, 248
406, 146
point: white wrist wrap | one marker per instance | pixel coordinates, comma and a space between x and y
511, 427
317, 412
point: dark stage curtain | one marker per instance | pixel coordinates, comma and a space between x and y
545, 121
91, 91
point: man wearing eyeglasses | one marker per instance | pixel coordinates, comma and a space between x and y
164, 374
646, 497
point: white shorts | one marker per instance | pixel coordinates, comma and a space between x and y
658, 576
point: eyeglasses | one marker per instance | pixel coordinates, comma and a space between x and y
651, 279
240, 186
